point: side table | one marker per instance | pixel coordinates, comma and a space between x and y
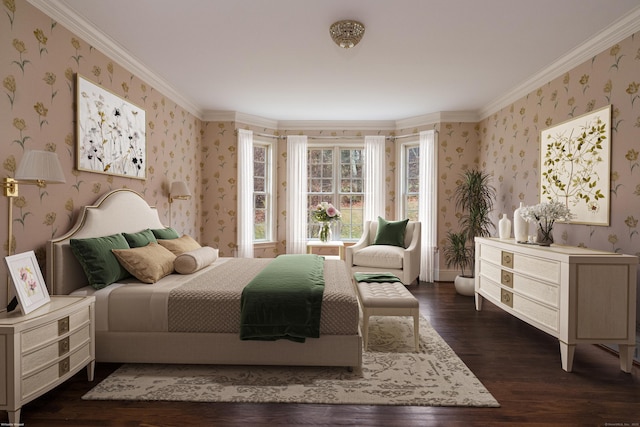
44, 348
330, 244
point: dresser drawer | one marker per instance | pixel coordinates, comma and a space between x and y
538, 290
36, 336
525, 264
489, 288
539, 313
41, 379
537, 267
34, 360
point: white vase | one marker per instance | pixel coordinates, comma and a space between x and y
504, 227
520, 225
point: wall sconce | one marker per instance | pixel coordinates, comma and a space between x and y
36, 168
178, 191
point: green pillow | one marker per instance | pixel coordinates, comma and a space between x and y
390, 232
98, 262
140, 239
165, 233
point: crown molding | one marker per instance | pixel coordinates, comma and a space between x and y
332, 125
605, 39
82, 28
439, 117
238, 117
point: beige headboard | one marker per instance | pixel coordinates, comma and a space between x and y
118, 211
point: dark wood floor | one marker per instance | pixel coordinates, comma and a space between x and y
517, 363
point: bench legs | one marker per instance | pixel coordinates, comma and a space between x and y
414, 312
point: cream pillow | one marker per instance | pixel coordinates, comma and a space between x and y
192, 261
180, 245
147, 263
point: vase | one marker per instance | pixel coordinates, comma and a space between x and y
504, 227
325, 232
520, 225
545, 237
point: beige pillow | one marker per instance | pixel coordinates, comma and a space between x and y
192, 261
147, 263
180, 245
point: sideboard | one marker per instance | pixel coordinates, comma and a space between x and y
575, 294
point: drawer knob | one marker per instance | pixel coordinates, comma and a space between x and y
63, 366
507, 278
507, 259
63, 346
63, 326
506, 298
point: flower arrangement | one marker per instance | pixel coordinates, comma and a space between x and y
546, 214
325, 213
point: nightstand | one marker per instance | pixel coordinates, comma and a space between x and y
44, 348
331, 244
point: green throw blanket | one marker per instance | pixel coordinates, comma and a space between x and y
284, 300
375, 277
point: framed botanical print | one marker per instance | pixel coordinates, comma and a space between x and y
575, 163
111, 132
31, 290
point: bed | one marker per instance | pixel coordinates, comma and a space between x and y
133, 323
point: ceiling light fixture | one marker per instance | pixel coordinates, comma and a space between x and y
347, 33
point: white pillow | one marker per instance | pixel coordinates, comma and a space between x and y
197, 259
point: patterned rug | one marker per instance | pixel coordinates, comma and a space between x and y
392, 374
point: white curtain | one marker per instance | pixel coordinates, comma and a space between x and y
297, 214
427, 204
374, 175
245, 193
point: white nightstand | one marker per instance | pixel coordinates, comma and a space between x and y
44, 348
331, 244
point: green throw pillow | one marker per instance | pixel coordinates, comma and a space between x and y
140, 239
390, 232
165, 233
98, 262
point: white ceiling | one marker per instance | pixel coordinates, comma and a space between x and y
274, 59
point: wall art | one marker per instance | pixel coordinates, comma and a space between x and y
110, 131
575, 162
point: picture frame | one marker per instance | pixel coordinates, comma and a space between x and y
111, 132
575, 166
28, 283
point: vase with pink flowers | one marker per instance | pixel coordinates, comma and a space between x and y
326, 214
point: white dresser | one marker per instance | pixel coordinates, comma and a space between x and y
578, 295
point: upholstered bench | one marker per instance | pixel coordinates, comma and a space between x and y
387, 299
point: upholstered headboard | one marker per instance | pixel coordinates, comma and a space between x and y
116, 212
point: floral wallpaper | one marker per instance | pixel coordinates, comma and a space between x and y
38, 65
510, 141
37, 111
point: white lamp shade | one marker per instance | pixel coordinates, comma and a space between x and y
40, 166
179, 189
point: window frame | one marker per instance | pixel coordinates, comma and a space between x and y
336, 145
402, 206
270, 189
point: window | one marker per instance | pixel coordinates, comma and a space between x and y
263, 200
410, 182
334, 175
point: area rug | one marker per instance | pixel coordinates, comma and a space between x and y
392, 374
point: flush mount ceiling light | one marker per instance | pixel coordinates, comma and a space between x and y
347, 33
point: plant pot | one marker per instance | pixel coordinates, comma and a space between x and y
465, 285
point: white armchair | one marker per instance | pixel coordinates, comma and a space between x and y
404, 262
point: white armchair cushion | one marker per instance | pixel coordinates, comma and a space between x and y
379, 256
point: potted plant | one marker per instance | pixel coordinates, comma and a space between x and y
474, 197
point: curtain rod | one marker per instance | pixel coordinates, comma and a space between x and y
284, 137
